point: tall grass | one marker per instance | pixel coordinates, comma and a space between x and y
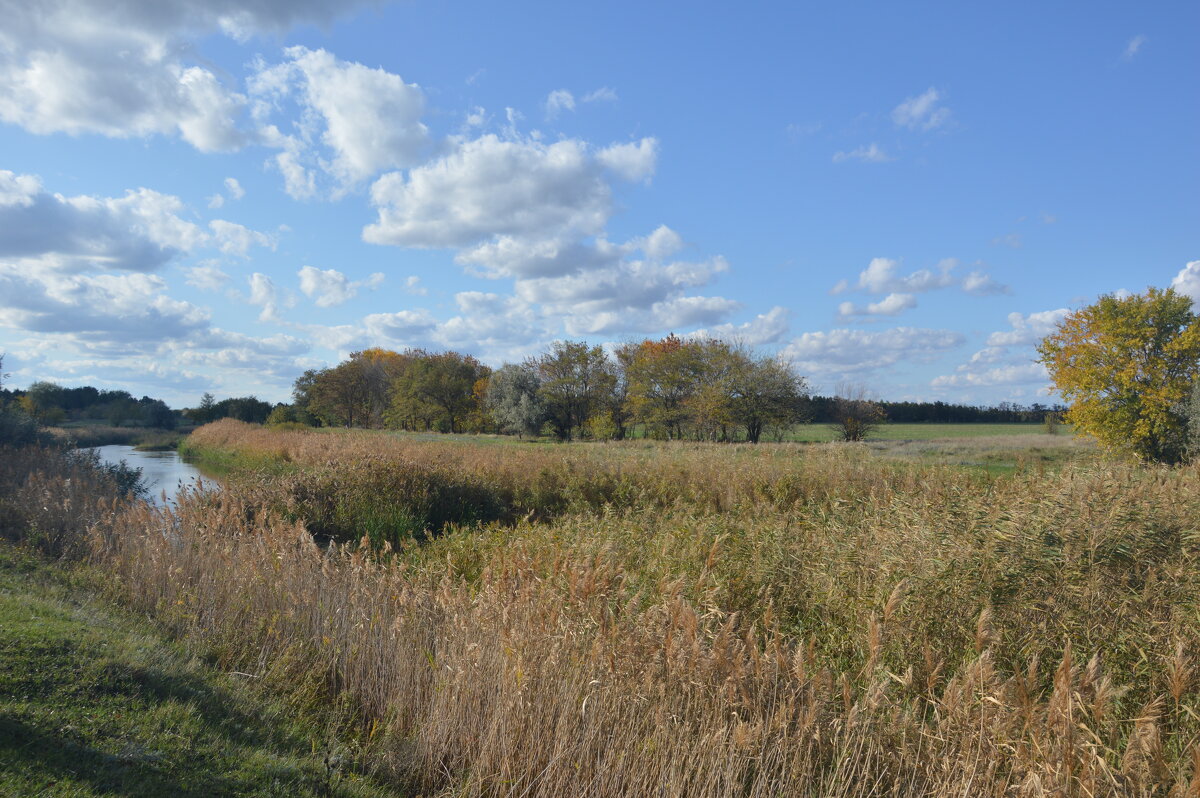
815, 625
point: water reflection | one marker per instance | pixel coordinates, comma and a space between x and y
162, 472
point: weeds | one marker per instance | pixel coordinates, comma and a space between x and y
786, 620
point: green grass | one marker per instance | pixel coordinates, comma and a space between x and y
820, 433
94, 701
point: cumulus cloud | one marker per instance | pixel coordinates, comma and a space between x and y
207, 276
765, 328
1008, 359
871, 153
329, 287
266, 295
492, 187
848, 351
371, 118
140, 231
1016, 374
120, 69
633, 161
922, 112
882, 276
891, 305
235, 239
1187, 282
1027, 330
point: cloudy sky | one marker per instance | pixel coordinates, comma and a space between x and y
218, 195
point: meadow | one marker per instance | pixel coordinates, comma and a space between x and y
680, 619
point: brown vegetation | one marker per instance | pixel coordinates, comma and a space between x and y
803, 621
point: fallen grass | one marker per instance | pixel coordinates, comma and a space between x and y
94, 702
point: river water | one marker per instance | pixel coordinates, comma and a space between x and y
162, 472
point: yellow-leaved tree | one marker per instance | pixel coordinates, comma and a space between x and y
1126, 365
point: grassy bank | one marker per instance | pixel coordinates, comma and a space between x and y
148, 439
805, 620
94, 701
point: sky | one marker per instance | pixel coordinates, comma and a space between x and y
906, 197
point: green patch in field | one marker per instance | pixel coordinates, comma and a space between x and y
94, 702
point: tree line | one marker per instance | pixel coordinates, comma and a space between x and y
669, 388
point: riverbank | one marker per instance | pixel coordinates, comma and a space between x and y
96, 701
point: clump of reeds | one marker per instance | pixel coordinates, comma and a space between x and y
777, 623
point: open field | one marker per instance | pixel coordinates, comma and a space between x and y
701, 620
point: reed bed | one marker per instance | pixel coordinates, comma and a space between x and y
899, 632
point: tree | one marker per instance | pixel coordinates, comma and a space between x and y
575, 381
439, 388
855, 414
767, 392
1126, 366
513, 400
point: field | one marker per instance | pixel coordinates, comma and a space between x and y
684, 619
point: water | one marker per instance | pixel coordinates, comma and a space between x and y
162, 472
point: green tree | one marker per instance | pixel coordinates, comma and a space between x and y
1126, 366
439, 388
513, 400
576, 380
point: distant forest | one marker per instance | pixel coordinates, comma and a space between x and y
52, 404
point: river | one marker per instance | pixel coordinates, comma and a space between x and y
162, 472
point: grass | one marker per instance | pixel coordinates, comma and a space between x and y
94, 701
685, 619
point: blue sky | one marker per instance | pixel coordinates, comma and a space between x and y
197, 196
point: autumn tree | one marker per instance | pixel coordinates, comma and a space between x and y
661, 376
439, 389
576, 379
855, 414
1126, 366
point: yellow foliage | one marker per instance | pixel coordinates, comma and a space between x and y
1126, 366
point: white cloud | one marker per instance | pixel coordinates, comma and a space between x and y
1008, 359
1187, 282
234, 188
371, 117
119, 69
559, 100
492, 187
329, 287
633, 161
1135, 45
982, 284
138, 232
882, 277
602, 94
765, 328
1016, 374
412, 285
235, 239
264, 294
207, 276
846, 351
1028, 330
892, 305
871, 153
921, 112
216, 201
